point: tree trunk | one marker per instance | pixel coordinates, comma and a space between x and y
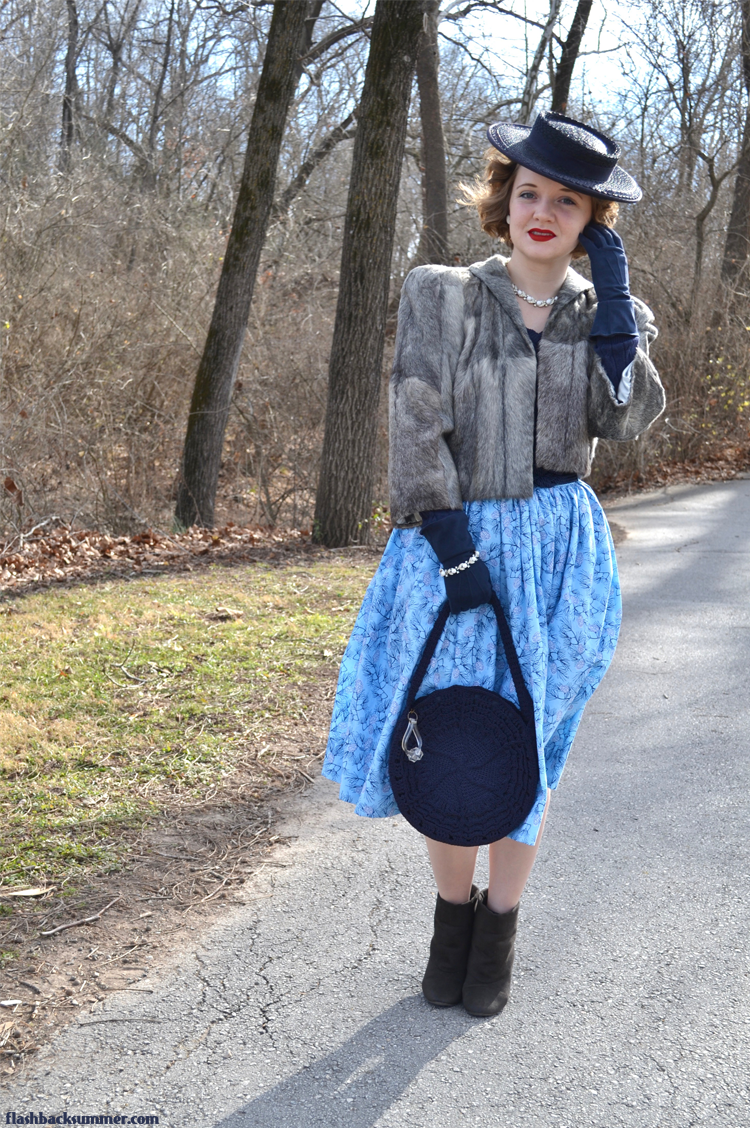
209, 408
528, 96
70, 96
342, 132
433, 240
569, 56
344, 498
307, 38
700, 227
737, 245
148, 172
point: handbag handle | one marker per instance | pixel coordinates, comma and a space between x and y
524, 697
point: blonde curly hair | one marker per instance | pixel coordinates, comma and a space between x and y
491, 197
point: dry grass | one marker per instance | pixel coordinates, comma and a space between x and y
150, 728
106, 308
121, 699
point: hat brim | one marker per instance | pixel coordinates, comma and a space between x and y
511, 140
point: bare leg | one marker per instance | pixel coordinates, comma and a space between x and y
511, 863
453, 867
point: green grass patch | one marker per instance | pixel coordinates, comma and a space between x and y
117, 696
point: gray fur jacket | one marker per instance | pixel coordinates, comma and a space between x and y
465, 382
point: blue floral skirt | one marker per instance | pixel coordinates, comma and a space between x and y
552, 563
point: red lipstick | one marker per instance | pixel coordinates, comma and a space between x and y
540, 235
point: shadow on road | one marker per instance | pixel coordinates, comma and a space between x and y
693, 554
360, 1080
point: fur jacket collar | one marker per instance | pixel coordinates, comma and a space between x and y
494, 274
472, 408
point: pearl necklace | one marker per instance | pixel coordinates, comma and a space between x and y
533, 301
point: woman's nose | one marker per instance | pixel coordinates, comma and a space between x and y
542, 210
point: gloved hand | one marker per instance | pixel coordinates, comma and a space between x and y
448, 534
609, 272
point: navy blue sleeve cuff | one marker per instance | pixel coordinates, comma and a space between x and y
431, 515
614, 317
616, 353
448, 534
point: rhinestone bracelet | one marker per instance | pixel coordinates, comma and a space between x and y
459, 567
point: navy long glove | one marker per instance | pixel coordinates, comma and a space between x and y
615, 314
447, 531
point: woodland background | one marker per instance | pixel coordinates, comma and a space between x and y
123, 126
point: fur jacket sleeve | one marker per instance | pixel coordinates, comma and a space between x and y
466, 385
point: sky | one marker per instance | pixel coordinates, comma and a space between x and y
516, 42
506, 44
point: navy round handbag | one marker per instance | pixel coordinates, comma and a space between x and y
463, 761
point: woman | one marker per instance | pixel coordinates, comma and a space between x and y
505, 374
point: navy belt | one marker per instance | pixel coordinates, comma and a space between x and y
546, 479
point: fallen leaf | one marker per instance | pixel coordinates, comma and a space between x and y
232, 612
27, 892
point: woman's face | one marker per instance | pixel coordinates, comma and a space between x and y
546, 218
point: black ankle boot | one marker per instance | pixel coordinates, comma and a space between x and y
449, 951
487, 984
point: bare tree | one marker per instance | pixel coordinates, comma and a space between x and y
433, 240
209, 408
568, 58
115, 40
344, 498
70, 97
690, 52
148, 170
530, 93
737, 245
108, 291
715, 181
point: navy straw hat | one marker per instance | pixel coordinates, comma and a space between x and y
569, 152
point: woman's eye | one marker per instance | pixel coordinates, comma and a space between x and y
567, 200
527, 195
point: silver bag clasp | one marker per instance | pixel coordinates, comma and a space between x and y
415, 752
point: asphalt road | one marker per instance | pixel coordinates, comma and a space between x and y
630, 1000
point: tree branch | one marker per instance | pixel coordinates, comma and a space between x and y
342, 132
336, 36
447, 14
